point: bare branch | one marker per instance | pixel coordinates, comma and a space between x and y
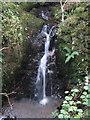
7, 95
65, 3
62, 8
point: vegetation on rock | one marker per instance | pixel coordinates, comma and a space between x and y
18, 25
73, 36
12, 40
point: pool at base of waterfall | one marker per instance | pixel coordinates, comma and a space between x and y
27, 108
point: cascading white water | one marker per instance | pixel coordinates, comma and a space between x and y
43, 63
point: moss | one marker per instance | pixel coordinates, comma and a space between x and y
17, 26
27, 5
31, 21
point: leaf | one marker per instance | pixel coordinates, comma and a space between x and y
78, 102
68, 98
66, 106
67, 54
66, 92
65, 102
82, 96
80, 114
76, 116
67, 50
88, 103
80, 110
68, 59
74, 108
63, 112
71, 102
66, 116
84, 93
72, 56
85, 103
73, 94
70, 109
60, 116
86, 87
75, 90
88, 96
75, 53
54, 114
86, 83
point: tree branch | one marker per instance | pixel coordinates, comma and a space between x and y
7, 95
62, 8
65, 3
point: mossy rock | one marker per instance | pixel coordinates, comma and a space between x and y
27, 5
30, 22
14, 55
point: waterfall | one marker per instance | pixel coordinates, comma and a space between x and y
41, 76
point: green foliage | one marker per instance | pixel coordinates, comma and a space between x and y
12, 42
27, 5
57, 13
17, 27
70, 55
74, 34
86, 93
73, 38
75, 101
55, 114
11, 26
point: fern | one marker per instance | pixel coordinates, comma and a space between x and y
70, 55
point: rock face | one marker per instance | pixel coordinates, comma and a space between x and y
31, 63
16, 37
32, 57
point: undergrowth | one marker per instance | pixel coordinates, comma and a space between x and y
76, 103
